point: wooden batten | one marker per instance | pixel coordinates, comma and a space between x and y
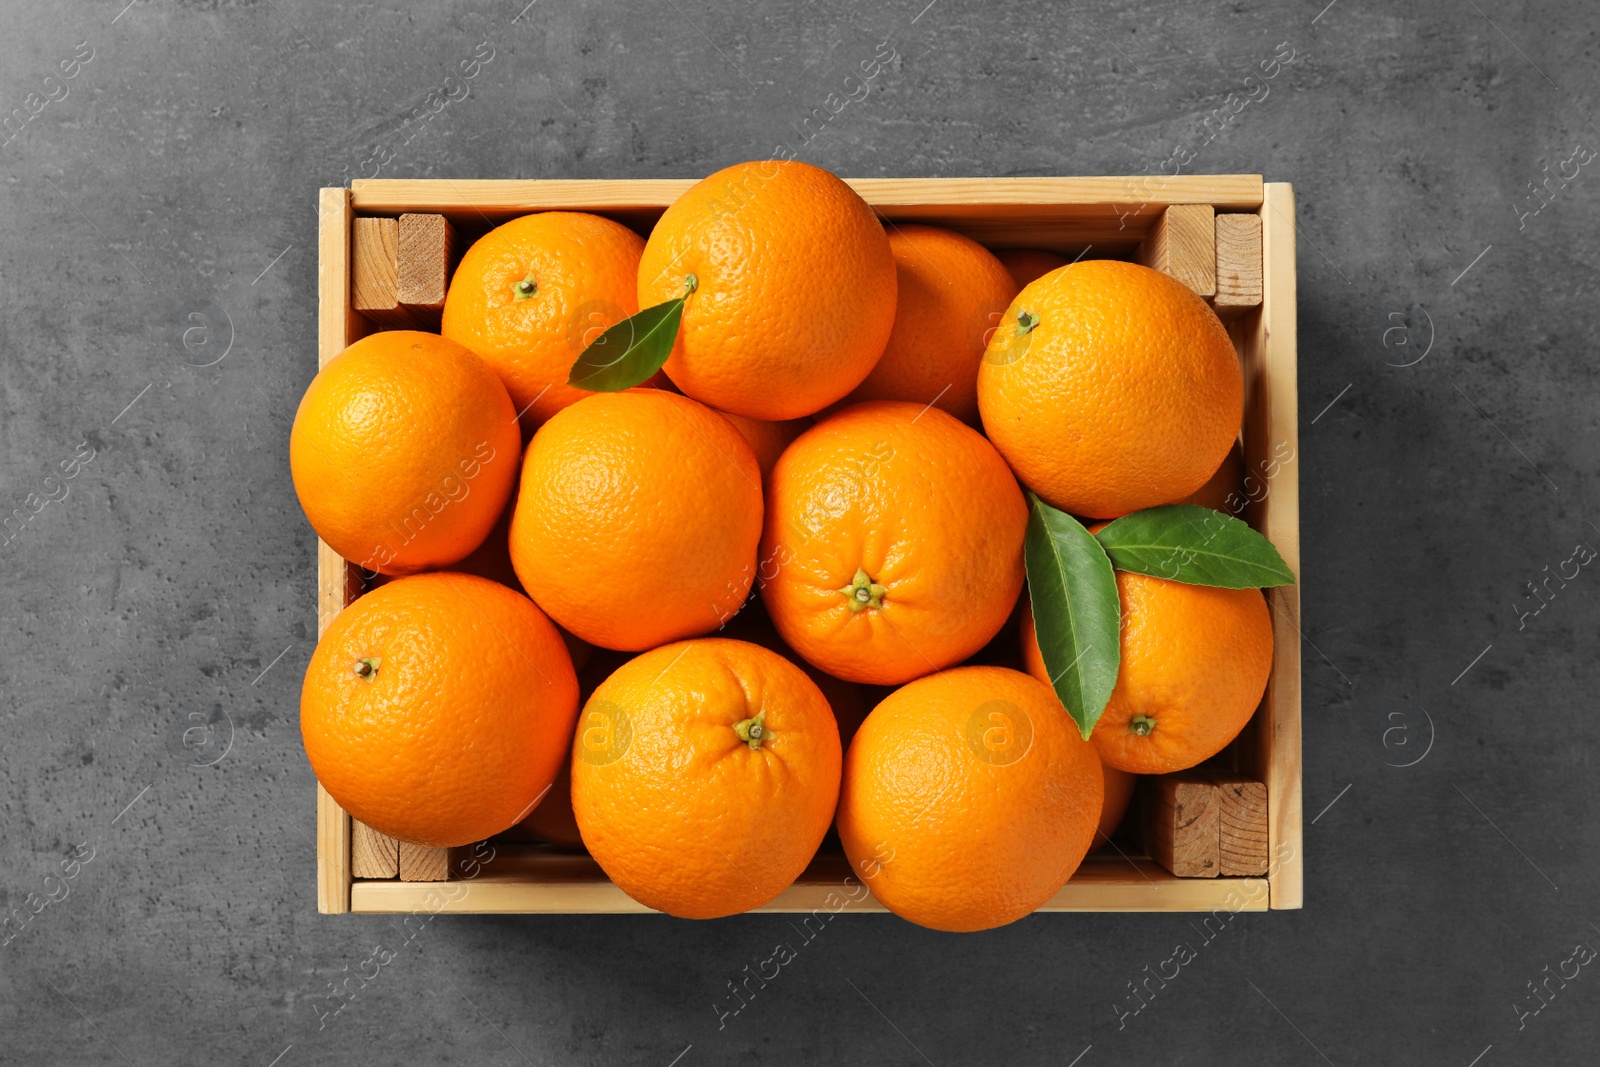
1241, 824
427, 245
1238, 273
372, 854
375, 274
423, 863
1183, 243
1180, 815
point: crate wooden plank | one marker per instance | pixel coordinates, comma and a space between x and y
1183, 243
1075, 197
1273, 419
426, 246
422, 863
1057, 214
1241, 824
336, 328
375, 273
372, 854
1181, 828
1238, 243
531, 880
333, 855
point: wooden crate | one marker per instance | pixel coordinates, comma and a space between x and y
1119, 218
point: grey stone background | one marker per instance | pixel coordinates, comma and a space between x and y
161, 213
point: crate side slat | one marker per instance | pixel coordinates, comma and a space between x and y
533, 882
1078, 196
604, 898
337, 326
1110, 215
1279, 519
1113, 213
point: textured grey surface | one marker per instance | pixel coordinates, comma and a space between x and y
171, 588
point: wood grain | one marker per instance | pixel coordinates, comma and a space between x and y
372, 854
422, 863
375, 273
1111, 214
528, 879
335, 326
1238, 274
1180, 829
1183, 243
961, 197
1241, 824
426, 249
333, 855
1272, 420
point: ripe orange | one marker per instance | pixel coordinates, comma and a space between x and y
767, 439
1026, 264
968, 799
404, 451
436, 709
893, 543
793, 288
704, 776
1195, 661
952, 294
638, 519
1119, 784
1110, 388
530, 295
1224, 490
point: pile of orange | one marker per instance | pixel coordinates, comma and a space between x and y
822, 490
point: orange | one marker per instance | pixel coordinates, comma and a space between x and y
637, 519
1119, 784
767, 439
1026, 264
704, 776
530, 295
1195, 661
1109, 388
968, 799
952, 293
893, 543
437, 708
1224, 490
404, 451
793, 288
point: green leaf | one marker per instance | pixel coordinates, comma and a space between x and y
1194, 545
1076, 613
629, 352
